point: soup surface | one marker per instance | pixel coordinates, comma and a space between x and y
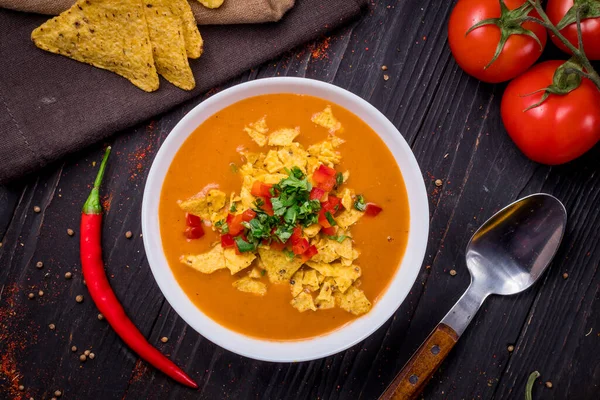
211, 155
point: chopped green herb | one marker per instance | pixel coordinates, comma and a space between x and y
222, 226
263, 272
339, 179
330, 219
234, 168
233, 208
339, 238
290, 254
244, 246
360, 204
259, 202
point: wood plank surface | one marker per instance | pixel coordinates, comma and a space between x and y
453, 125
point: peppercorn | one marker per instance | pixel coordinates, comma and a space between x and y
70, 232
36, 209
52, 327
128, 234
164, 339
39, 264
82, 357
79, 298
452, 272
73, 349
68, 275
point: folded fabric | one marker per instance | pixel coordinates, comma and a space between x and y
51, 105
231, 12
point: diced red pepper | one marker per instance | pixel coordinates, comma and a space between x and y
260, 189
296, 235
194, 232
277, 245
267, 206
316, 194
333, 204
235, 224
372, 209
331, 231
248, 215
323, 219
324, 177
227, 241
300, 246
192, 220
310, 253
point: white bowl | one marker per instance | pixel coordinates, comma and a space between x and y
327, 344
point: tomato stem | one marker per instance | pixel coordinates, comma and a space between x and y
578, 53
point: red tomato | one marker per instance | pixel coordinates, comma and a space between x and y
227, 241
260, 189
267, 206
590, 29
192, 220
372, 209
248, 215
475, 50
235, 224
560, 129
194, 232
296, 235
310, 253
324, 177
333, 205
316, 193
300, 246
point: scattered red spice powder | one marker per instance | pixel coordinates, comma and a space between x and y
106, 201
318, 50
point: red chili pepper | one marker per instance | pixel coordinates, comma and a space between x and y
372, 209
101, 292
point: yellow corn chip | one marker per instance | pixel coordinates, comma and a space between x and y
279, 266
272, 178
296, 283
258, 131
250, 285
237, 262
353, 301
256, 272
311, 280
347, 200
107, 34
293, 155
206, 263
303, 302
211, 3
283, 137
325, 299
325, 153
193, 41
326, 119
272, 162
168, 44
312, 230
206, 206
348, 217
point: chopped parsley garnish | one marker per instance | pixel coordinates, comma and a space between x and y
339, 238
360, 204
222, 226
244, 246
339, 179
233, 208
290, 254
330, 219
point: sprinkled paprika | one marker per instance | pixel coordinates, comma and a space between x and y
101, 292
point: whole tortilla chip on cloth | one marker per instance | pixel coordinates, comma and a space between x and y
168, 44
108, 34
191, 35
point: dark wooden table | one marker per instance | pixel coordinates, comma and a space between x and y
452, 123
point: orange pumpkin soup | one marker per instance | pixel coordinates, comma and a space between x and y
349, 174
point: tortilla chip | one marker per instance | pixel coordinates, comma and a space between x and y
325, 152
336, 141
283, 137
348, 217
311, 280
211, 3
168, 45
353, 301
296, 283
325, 299
193, 41
106, 34
272, 178
250, 285
336, 270
303, 302
256, 272
312, 230
237, 262
293, 155
347, 199
279, 266
206, 263
326, 119
207, 207
330, 250
258, 131
272, 162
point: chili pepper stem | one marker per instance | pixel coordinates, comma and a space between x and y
579, 54
92, 204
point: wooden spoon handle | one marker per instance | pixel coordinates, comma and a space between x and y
411, 380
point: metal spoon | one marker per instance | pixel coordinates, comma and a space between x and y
506, 255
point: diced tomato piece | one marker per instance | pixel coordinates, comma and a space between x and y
248, 215
300, 246
324, 177
194, 232
235, 224
316, 194
192, 220
277, 245
267, 206
296, 235
323, 219
227, 241
260, 189
310, 253
333, 204
331, 231
372, 209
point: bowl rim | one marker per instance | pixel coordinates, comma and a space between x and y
343, 337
